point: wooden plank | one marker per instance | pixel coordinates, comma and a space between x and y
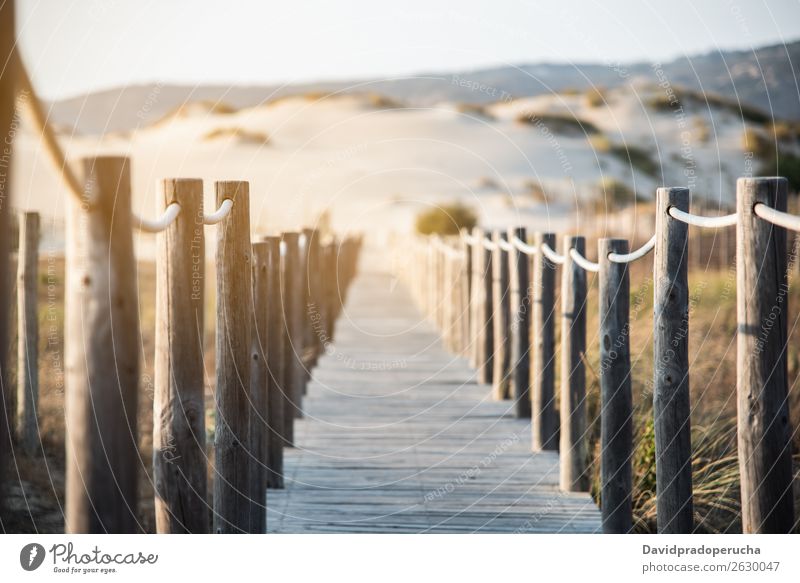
399, 450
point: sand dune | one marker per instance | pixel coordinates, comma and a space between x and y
376, 165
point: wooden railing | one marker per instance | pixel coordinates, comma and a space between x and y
493, 297
276, 302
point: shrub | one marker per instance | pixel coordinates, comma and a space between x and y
600, 143
596, 97
536, 191
446, 219
240, 134
757, 143
559, 123
614, 195
638, 157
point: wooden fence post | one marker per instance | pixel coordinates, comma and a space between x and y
466, 295
616, 440
764, 428
259, 387
520, 285
291, 296
276, 398
501, 320
574, 475
671, 407
8, 94
102, 354
28, 335
544, 420
179, 429
232, 496
312, 293
476, 300
485, 320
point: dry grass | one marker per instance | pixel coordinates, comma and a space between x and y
239, 134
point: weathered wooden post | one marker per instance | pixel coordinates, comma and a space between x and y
276, 397
616, 440
8, 93
259, 387
501, 319
314, 342
179, 430
232, 496
671, 408
476, 298
331, 288
574, 475
466, 290
520, 328
101, 353
764, 428
28, 335
485, 320
291, 296
544, 419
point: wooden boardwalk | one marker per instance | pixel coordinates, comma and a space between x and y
398, 437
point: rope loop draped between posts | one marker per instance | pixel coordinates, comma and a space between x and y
505, 245
582, 262
776, 217
161, 223
633, 255
222, 212
701, 221
489, 245
171, 213
548, 252
523, 247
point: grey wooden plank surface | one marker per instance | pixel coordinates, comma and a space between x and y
398, 437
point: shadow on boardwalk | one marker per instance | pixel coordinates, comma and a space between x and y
398, 437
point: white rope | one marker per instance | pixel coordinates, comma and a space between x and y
505, 245
524, 247
445, 248
489, 245
700, 221
159, 224
469, 239
634, 255
776, 217
582, 262
222, 212
548, 252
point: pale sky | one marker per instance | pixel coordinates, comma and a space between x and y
75, 46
